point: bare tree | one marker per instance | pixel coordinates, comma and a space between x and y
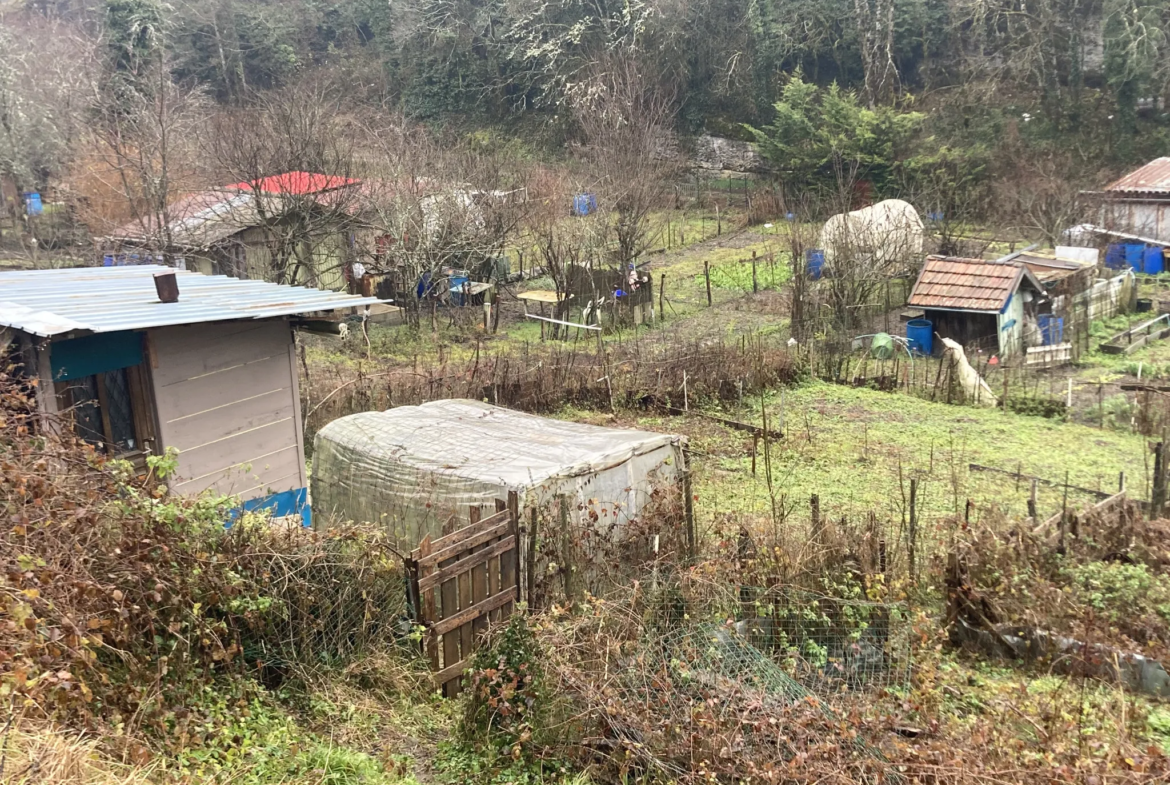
293, 151
568, 245
47, 86
1044, 197
864, 250
875, 31
626, 120
430, 204
799, 236
141, 156
955, 200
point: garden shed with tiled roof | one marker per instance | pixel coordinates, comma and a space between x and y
982, 305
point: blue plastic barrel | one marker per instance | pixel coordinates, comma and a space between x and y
814, 263
1154, 260
1115, 256
1051, 329
920, 336
1135, 255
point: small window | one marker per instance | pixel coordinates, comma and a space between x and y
111, 410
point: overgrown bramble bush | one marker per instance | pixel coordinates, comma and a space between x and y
125, 608
505, 689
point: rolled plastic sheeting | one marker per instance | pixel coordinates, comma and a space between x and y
975, 390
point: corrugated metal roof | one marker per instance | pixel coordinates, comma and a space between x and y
1153, 178
1048, 268
296, 183
108, 299
967, 284
198, 221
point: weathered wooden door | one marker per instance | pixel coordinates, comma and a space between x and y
462, 582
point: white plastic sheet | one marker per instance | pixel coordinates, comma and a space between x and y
974, 387
413, 468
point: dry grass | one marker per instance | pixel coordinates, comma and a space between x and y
50, 756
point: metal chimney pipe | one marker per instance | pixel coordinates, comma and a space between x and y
167, 286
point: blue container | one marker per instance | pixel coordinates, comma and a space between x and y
583, 204
920, 336
1051, 329
33, 204
424, 285
814, 263
1154, 260
1115, 256
1134, 255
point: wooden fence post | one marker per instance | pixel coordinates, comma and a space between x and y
1158, 496
689, 505
427, 608
707, 275
530, 566
510, 562
662, 297
755, 280
815, 508
913, 528
566, 548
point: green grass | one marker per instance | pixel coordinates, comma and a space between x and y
1037, 709
848, 445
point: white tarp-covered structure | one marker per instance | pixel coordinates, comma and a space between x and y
883, 235
415, 467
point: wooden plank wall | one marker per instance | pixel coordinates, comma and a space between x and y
227, 400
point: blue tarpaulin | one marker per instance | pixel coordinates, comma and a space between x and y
584, 204
33, 204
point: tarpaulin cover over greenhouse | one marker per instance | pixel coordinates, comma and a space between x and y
414, 467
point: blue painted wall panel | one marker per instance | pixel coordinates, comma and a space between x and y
81, 357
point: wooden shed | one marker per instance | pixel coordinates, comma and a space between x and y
989, 306
212, 375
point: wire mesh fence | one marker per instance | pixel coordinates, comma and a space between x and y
832, 644
827, 645
331, 598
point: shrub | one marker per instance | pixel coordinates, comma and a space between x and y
504, 685
124, 606
1052, 408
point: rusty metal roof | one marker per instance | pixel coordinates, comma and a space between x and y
968, 284
1153, 178
109, 299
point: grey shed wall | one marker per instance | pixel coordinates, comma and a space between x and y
1144, 218
227, 399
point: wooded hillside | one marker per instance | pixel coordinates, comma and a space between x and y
1091, 75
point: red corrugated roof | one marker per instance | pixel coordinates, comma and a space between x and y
966, 284
1153, 178
296, 183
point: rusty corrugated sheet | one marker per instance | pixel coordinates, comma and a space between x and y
1049, 268
1153, 178
964, 284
